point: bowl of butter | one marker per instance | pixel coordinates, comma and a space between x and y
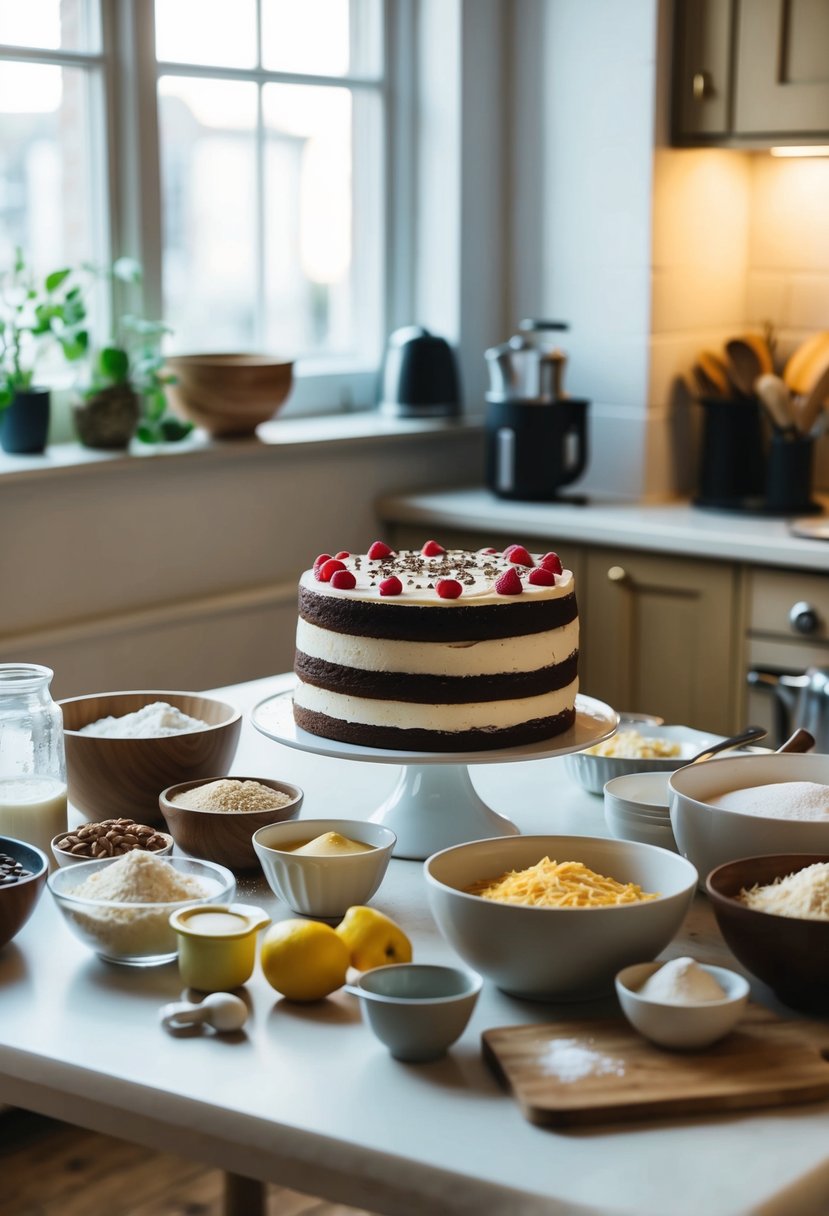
322, 867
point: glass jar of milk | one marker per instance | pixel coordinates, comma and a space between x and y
32, 762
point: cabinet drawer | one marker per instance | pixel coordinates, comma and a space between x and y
773, 594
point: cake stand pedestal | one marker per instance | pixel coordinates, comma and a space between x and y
434, 804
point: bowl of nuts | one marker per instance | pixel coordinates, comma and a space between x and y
109, 838
23, 870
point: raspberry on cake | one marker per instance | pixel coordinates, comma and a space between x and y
492, 664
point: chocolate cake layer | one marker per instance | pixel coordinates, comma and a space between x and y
434, 689
460, 623
394, 738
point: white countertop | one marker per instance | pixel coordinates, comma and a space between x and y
309, 1098
676, 528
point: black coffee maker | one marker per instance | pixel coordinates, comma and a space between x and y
536, 434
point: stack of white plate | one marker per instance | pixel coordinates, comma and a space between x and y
636, 807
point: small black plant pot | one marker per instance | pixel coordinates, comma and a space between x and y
24, 424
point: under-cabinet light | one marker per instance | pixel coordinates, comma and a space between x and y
806, 150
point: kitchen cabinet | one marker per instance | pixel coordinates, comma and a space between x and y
752, 71
659, 634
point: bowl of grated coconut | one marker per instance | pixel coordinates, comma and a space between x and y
773, 912
120, 906
217, 819
123, 748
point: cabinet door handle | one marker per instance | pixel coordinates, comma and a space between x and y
618, 574
701, 87
804, 617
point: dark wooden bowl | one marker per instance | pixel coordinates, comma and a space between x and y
224, 836
228, 394
19, 899
112, 777
788, 954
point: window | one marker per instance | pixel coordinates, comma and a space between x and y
247, 167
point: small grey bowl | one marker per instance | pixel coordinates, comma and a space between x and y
418, 1010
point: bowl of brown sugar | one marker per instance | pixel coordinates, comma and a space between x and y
216, 819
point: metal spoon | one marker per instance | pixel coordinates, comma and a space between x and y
750, 735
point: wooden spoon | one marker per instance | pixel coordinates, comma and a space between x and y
811, 404
748, 357
711, 375
800, 741
777, 400
799, 372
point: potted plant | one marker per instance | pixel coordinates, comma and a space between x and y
126, 394
32, 314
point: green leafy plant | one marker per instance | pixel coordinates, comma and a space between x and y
134, 360
32, 313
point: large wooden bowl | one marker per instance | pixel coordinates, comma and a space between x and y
228, 394
19, 899
224, 836
112, 777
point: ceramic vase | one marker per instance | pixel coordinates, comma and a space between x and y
24, 424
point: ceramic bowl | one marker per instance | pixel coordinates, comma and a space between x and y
228, 394
138, 934
682, 1027
65, 858
416, 1009
710, 835
636, 808
224, 836
323, 886
19, 899
789, 954
593, 772
557, 953
217, 944
112, 777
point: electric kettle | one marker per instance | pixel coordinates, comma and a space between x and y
420, 377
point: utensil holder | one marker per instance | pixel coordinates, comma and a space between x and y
732, 471
789, 475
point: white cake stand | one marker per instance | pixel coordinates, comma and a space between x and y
434, 804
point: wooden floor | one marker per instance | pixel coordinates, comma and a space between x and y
52, 1169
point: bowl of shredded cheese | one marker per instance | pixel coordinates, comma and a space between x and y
636, 748
555, 917
773, 911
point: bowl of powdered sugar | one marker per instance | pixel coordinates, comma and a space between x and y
124, 748
724, 809
217, 819
120, 907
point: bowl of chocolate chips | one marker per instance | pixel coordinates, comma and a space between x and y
109, 838
23, 870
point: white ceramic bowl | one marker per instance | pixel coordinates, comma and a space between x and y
416, 1009
636, 808
710, 835
681, 1027
557, 953
138, 934
593, 772
323, 886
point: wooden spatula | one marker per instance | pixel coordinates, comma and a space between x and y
800, 371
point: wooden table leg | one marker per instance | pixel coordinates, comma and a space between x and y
243, 1196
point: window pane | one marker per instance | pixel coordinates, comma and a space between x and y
322, 280
221, 33
69, 25
208, 164
51, 173
322, 37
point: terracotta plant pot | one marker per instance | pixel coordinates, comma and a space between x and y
108, 419
24, 424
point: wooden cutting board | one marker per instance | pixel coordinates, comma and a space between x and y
569, 1074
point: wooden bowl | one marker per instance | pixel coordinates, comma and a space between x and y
224, 836
228, 394
19, 899
788, 954
112, 777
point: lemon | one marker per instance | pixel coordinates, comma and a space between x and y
305, 960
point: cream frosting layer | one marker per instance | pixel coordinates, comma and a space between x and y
477, 574
407, 715
494, 657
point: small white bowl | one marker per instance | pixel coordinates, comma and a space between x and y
418, 1010
636, 808
681, 1027
593, 772
323, 886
